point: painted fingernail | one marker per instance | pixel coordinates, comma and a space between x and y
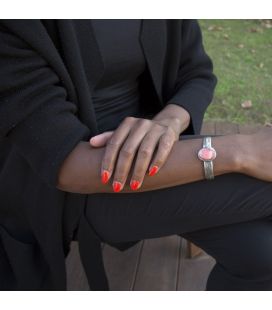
153, 170
117, 186
105, 176
134, 184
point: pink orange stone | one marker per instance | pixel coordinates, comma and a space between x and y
206, 154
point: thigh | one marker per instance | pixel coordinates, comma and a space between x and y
228, 199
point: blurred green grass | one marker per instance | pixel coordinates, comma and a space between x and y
241, 51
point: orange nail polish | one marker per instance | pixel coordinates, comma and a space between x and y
153, 170
117, 186
134, 184
105, 176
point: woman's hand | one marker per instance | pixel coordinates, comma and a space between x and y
152, 140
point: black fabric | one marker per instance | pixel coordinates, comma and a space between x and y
49, 69
116, 94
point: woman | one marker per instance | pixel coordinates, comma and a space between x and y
134, 86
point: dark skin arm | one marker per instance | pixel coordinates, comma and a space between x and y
80, 172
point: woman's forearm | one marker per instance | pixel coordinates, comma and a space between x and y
81, 171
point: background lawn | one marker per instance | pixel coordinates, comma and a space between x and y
241, 51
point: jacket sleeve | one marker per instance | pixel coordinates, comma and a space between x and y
35, 115
195, 82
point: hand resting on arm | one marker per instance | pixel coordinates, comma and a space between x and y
240, 153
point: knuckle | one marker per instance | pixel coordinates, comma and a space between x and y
175, 123
106, 162
171, 132
145, 152
167, 139
166, 143
129, 119
157, 126
176, 120
127, 152
144, 121
113, 142
148, 139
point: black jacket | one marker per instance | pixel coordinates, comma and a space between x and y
47, 71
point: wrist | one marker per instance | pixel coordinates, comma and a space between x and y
180, 112
174, 113
239, 152
243, 153
230, 153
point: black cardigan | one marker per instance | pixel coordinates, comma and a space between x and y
47, 71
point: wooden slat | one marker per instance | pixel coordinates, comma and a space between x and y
224, 128
121, 266
208, 128
194, 272
247, 129
192, 250
158, 264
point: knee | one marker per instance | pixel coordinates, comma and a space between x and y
258, 266
254, 260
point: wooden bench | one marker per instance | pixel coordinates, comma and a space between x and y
168, 263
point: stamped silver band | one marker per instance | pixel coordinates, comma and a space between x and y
207, 141
208, 169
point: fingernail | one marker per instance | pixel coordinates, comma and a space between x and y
117, 186
105, 176
153, 170
134, 184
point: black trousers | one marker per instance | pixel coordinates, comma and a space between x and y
229, 217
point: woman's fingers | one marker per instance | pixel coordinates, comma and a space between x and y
151, 141
113, 146
101, 139
147, 150
128, 152
166, 143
